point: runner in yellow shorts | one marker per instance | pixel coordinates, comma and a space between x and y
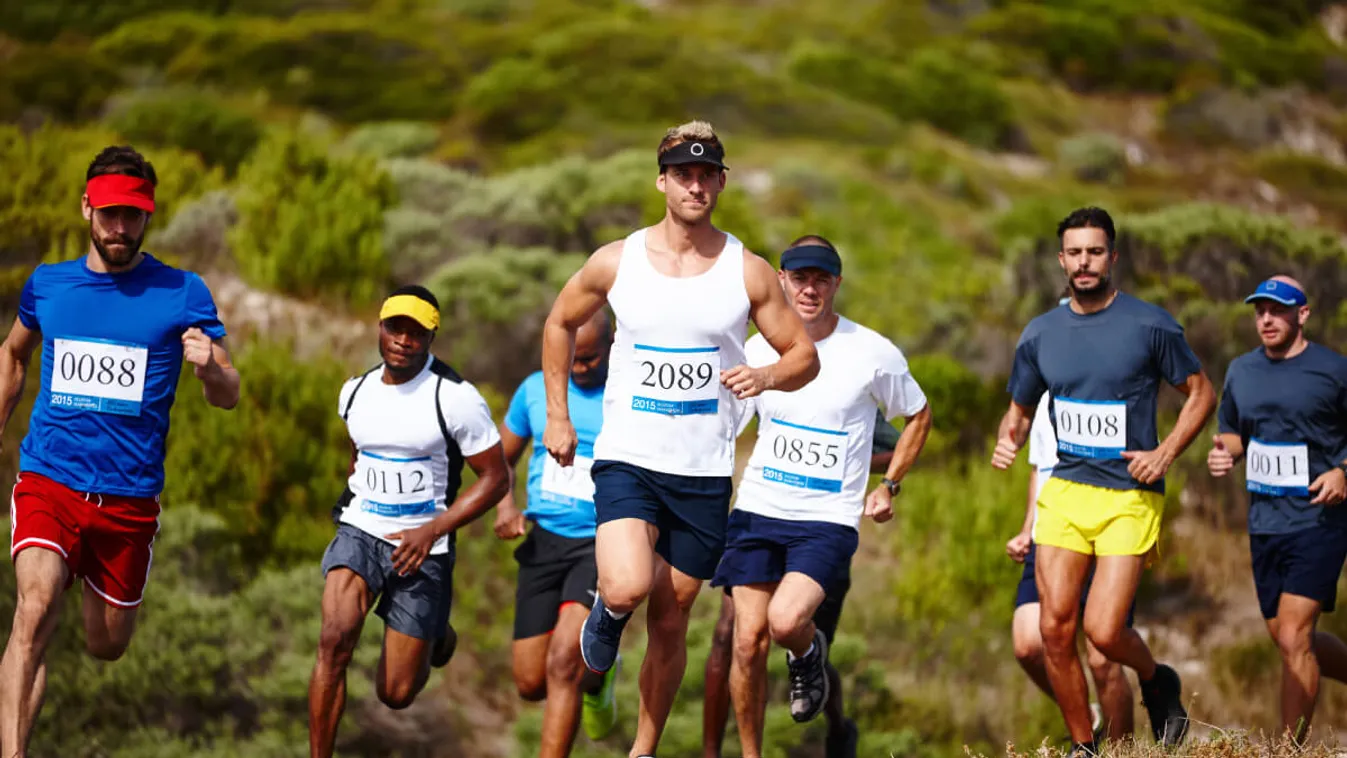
1101, 358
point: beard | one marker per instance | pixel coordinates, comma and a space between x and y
1085, 293
112, 259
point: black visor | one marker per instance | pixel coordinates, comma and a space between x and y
693, 151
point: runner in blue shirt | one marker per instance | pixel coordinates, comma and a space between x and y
1284, 410
115, 326
558, 577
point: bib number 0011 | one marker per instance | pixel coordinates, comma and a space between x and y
1279, 469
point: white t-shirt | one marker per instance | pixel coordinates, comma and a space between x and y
811, 460
405, 470
1042, 444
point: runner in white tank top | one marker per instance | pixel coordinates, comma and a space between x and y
682, 292
793, 530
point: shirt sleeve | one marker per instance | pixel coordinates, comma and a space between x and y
1042, 438
894, 387
470, 423
201, 311
1227, 415
517, 415
28, 304
1173, 355
747, 411
1026, 383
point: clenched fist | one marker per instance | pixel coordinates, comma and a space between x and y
198, 350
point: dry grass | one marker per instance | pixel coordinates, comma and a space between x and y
1222, 744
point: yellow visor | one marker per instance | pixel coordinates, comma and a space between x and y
413, 308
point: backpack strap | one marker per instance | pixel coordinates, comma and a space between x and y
346, 412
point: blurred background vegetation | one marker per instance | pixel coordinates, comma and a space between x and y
314, 153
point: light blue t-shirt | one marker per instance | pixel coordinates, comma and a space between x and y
1103, 371
111, 358
564, 505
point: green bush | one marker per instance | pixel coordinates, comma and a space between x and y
190, 119
311, 223
392, 139
272, 467
63, 81
1094, 157
940, 88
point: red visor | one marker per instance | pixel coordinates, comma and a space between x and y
108, 190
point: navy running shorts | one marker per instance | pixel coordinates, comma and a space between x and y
1306, 563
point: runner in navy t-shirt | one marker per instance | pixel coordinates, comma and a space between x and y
1284, 410
115, 327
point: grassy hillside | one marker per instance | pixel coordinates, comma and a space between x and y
315, 153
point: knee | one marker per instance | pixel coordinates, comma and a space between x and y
751, 645
532, 688
106, 650
784, 623
29, 613
397, 695
336, 642
623, 595
670, 624
1293, 640
1028, 647
1058, 633
1106, 637
564, 664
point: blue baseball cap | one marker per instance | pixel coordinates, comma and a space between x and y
1280, 292
812, 256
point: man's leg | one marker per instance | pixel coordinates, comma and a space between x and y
1293, 631
1026, 639
666, 654
1060, 576
791, 613
404, 667
564, 671
716, 703
528, 658
842, 733
346, 601
624, 552
1115, 693
748, 673
41, 575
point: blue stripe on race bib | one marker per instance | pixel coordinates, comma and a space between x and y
803, 482
393, 510
1086, 451
654, 349
394, 459
1267, 489
834, 432
675, 407
99, 404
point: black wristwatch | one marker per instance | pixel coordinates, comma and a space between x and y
1342, 466
890, 485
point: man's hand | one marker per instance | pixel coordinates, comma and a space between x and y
1018, 546
1147, 466
1005, 453
559, 439
1331, 487
413, 548
198, 350
509, 521
747, 382
879, 505
1219, 460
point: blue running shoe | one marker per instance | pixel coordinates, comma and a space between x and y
600, 637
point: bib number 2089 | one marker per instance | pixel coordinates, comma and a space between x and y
676, 381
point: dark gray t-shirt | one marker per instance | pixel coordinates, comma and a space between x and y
1291, 415
1103, 371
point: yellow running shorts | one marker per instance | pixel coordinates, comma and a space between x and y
1097, 521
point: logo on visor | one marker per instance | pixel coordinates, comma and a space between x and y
697, 149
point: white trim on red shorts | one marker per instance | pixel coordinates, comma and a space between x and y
38, 541
112, 600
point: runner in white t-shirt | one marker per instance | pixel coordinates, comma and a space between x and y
413, 424
793, 529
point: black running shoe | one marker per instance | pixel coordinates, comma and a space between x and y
1163, 699
809, 681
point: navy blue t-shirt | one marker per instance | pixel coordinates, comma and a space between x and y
111, 357
1103, 371
1291, 415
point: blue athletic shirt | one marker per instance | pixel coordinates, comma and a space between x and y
1103, 371
111, 357
560, 500
1292, 417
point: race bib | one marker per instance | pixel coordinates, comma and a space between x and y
677, 381
806, 456
1277, 468
567, 484
395, 486
98, 375
1091, 428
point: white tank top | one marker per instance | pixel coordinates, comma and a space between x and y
664, 408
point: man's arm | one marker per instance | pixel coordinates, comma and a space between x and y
15, 352
492, 483
1010, 437
509, 519
781, 326
210, 361
1149, 466
582, 296
916, 429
